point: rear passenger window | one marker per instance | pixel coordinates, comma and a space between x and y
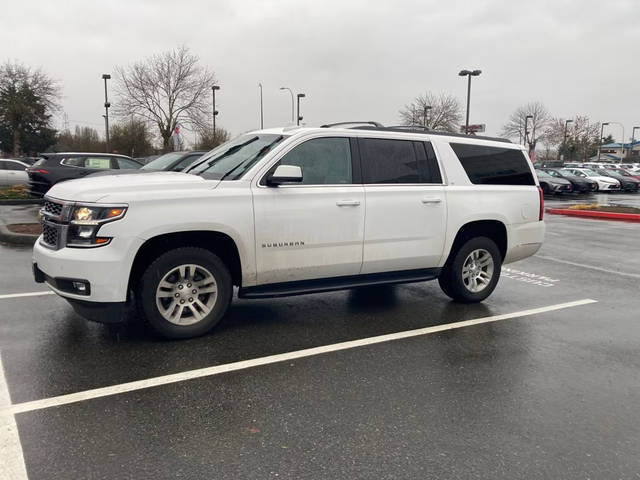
494, 165
73, 161
398, 161
389, 161
98, 162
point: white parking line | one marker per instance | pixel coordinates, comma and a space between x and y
13, 467
230, 367
590, 267
28, 294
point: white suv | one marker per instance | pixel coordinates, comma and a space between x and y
289, 211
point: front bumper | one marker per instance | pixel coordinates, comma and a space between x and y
105, 269
103, 312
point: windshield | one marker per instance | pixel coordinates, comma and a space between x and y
163, 162
230, 160
542, 174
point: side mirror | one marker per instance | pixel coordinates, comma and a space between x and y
285, 174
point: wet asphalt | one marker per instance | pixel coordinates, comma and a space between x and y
552, 395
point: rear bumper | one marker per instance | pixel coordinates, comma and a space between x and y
524, 240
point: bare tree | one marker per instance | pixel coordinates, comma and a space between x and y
208, 141
28, 98
583, 137
436, 112
537, 125
166, 89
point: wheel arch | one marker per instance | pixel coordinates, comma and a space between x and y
217, 242
493, 229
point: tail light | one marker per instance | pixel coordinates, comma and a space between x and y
37, 170
541, 195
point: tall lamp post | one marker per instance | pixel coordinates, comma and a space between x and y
215, 112
300, 95
633, 139
105, 77
292, 101
426, 110
601, 134
261, 108
564, 138
622, 142
469, 74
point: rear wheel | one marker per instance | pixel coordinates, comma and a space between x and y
472, 272
185, 292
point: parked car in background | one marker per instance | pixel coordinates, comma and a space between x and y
626, 172
58, 167
580, 184
605, 183
628, 184
12, 172
174, 161
551, 184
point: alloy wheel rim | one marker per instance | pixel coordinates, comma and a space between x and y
477, 270
186, 294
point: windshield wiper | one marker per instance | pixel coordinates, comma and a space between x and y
261, 152
231, 150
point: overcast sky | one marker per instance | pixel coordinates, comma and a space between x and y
354, 60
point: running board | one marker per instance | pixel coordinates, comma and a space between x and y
303, 287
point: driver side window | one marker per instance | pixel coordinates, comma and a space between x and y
324, 161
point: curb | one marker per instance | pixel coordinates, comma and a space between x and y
21, 201
13, 238
627, 217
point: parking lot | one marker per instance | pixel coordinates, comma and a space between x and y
541, 381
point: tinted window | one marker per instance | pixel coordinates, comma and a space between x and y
427, 163
73, 161
494, 165
389, 161
324, 161
126, 164
13, 166
3, 165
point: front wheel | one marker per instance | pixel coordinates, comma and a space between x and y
472, 272
185, 292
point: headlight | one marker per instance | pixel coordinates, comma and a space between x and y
86, 221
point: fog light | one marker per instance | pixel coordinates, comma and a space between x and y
80, 286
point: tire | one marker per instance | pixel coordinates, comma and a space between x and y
545, 188
185, 292
480, 253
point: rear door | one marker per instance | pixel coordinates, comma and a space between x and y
3, 173
315, 229
406, 205
15, 173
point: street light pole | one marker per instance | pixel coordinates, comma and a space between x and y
105, 77
300, 95
215, 112
564, 141
633, 139
601, 134
469, 74
426, 110
622, 142
261, 108
292, 101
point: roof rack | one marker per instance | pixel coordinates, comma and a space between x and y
375, 124
425, 131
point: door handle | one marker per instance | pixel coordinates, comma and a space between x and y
431, 200
348, 203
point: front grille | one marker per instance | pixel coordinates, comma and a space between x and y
50, 235
52, 208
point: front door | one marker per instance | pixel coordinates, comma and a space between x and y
313, 229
